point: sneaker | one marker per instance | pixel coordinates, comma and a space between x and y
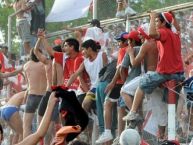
130, 12
116, 141
120, 14
106, 136
131, 116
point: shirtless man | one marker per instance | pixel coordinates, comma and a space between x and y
10, 114
37, 83
149, 53
44, 101
22, 23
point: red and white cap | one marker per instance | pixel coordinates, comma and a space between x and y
144, 30
133, 35
167, 17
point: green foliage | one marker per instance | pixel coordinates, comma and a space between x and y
4, 13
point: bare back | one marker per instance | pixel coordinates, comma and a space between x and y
16, 99
151, 57
36, 77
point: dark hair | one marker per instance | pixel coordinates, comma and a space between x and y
33, 56
96, 23
137, 43
95, 46
4, 47
1, 129
161, 18
57, 48
72, 42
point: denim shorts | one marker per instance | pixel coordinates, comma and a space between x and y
121, 103
152, 80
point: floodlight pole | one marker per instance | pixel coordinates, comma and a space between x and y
94, 9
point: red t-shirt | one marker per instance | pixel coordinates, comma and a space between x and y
121, 55
2, 62
70, 66
169, 47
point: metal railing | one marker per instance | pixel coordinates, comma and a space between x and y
178, 7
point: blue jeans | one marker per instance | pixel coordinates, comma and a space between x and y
100, 99
152, 80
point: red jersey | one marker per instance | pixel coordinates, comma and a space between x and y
169, 48
2, 62
70, 65
85, 76
121, 55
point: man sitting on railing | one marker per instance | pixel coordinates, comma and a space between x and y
170, 65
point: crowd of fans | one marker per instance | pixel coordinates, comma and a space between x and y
92, 88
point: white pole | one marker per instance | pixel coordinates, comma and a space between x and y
94, 9
128, 24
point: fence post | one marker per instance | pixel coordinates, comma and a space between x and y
128, 24
171, 110
94, 9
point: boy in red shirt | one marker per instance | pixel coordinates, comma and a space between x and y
170, 66
113, 91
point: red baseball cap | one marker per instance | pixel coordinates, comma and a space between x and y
133, 35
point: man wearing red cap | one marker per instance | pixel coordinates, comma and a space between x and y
113, 91
149, 54
170, 66
134, 39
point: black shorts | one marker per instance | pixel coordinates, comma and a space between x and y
114, 94
32, 103
81, 98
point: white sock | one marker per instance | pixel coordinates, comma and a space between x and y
108, 130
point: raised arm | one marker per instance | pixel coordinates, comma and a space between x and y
10, 74
153, 33
38, 54
43, 127
75, 75
48, 47
135, 61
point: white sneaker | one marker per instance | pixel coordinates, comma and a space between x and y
130, 12
106, 136
131, 116
120, 14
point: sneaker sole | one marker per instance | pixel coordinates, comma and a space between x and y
104, 141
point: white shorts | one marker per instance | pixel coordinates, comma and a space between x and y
131, 87
158, 107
